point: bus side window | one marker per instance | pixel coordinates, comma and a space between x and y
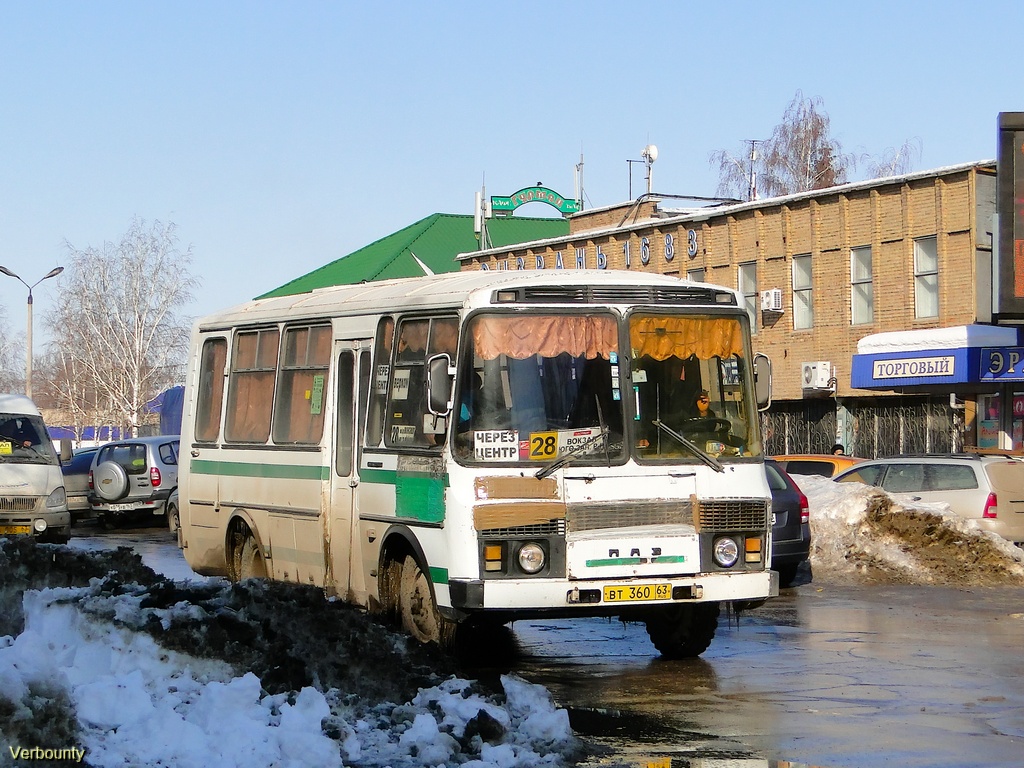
251, 386
343, 451
406, 401
302, 384
407, 412
211, 389
381, 378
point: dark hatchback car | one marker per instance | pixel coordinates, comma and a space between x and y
791, 529
76, 482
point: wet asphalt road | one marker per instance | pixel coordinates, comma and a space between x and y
828, 674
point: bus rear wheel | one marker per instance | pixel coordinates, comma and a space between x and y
251, 564
417, 609
683, 631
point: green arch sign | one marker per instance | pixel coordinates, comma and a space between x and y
534, 195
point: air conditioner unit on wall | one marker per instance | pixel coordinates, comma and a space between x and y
771, 300
817, 376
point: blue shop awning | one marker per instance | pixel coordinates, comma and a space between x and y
963, 354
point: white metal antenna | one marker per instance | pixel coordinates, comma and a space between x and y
650, 154
579, 181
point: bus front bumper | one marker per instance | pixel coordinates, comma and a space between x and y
540, 596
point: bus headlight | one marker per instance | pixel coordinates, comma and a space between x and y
531, 557
725, 552
39, 525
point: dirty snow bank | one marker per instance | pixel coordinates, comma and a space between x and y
137, 670
863, 532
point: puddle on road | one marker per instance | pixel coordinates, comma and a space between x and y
632, 740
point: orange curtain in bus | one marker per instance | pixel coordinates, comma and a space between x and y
520, 336
705, 337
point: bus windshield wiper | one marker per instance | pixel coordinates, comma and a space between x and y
707, 458
563, 460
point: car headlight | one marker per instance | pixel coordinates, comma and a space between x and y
39, 525
58, 498
725, 552
531, 557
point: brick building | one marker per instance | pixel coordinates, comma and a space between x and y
873, 300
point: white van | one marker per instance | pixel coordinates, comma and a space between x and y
32, 498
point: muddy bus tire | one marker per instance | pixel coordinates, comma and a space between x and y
685, 631
251, 564
417, 609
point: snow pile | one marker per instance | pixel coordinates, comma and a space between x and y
175, 675
860, 530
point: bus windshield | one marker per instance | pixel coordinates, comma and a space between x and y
535, 388
689, 374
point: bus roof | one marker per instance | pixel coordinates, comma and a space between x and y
454, 289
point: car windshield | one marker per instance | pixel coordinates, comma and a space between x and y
542, 387
24, 440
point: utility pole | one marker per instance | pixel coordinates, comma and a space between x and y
28, 328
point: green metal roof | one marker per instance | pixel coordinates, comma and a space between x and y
435, 241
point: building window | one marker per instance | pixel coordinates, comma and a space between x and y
862, 286
926, 277
747, 283
696, 275
803, 297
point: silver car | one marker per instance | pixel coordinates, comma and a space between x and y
986, 488
133, 478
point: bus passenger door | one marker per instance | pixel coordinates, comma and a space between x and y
353, 378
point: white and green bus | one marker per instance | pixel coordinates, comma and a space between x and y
473, 448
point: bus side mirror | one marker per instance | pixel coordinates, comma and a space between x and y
65, 450
763, 381
439, 384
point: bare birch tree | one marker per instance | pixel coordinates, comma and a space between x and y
893, 162
800, 155
117, 340
12, 376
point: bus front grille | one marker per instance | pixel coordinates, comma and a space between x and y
536, 530
712, 515
723, 515
624, 514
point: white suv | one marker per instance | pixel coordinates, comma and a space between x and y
986, 488
133, 478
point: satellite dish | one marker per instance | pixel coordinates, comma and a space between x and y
650, 153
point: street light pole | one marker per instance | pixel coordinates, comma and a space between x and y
28, 329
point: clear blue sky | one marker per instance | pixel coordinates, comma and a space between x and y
279, 136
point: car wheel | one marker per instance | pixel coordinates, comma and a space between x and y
110, 481
787, 574
173, 520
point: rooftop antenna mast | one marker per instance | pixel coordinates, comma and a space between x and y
752, 183
481, 213
579, 181
650, 154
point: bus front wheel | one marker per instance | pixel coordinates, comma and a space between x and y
683, 631
417, 609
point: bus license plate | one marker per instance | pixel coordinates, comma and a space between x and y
635, 592
11, 530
